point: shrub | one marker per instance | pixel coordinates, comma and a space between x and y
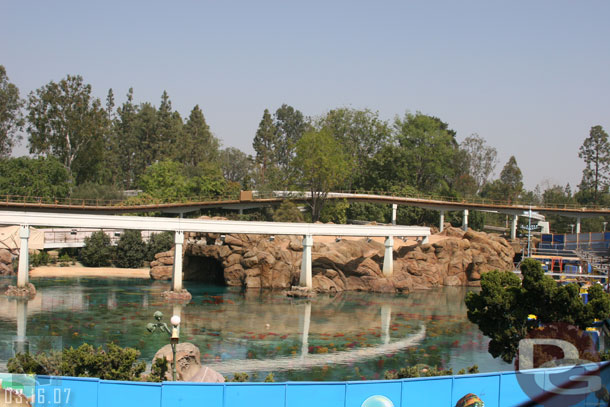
424, 371
131, 250
158, 370
159, 242
97, 251
112, 363
287, 212
40, 259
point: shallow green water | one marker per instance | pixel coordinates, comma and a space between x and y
350, 336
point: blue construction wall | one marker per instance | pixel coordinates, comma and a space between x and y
494, 389
573, 241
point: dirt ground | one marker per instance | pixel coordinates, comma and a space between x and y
79, 271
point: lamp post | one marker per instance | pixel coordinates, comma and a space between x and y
174, 334
605, 223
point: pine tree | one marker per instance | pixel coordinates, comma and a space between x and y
265, 143
595, 151
198, 143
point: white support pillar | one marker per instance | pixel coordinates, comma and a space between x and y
513, 227
425, 239
388, 257
177, 272
465, 220
305, 322
24, 261
578, 225
394, 209
306, 279
21, 344
441, 223
386, 317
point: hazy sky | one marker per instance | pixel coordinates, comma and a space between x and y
531, 77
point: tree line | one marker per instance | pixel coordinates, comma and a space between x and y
83, 147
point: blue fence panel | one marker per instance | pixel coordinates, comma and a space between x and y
486, 387
558, 238
359, 392
512, 392
66, 391
547, 237
255, 395
133, 394
427, 392
318, 394
176, 394
597, 236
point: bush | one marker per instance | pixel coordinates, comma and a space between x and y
159, 242
97, 251
112, 363
158, 370
287, 212
131, 250
40, 259
424, 371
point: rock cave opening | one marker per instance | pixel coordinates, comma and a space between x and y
207, 270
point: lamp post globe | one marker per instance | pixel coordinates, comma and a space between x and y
175, 320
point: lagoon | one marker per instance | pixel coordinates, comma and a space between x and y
346, 336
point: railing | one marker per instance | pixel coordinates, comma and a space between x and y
15, 200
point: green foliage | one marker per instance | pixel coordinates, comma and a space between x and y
130, 250
97, 251
595, 152
158, 370
370, 212
112, 363
287, 212
504, 303
322, 166
94, 191
480, 159
11, 118
264, 145
425, 371
237, 167
41, 258
66, 122
157, 243
35, 177
335, 212
197, 143
239, 377
269, 378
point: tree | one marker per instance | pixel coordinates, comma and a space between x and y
66, 122
322, 166
290, 124
287, 212
502, 307
168, 131
130, 250
11, 117
264, 144
37, 177
197, 142
480, 158
126, 141
97, 251
236, 166
422, 156
165, 180
512, 179
595, 151
361, 133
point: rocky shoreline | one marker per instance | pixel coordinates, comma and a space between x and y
456, 258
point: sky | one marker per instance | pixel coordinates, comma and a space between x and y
529, 76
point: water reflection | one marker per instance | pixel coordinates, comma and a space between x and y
332, 337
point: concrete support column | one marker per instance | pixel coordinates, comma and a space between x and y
425, 239
306, 279
513, 227
177, 272
24, 259
578, 225
441, 222
305, 321
394, 209
386, 317
21, 344
388, 257
465, 220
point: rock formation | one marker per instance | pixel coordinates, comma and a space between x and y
6, 262
254, 261
188, 364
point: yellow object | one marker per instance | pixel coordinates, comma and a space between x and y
532, 316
